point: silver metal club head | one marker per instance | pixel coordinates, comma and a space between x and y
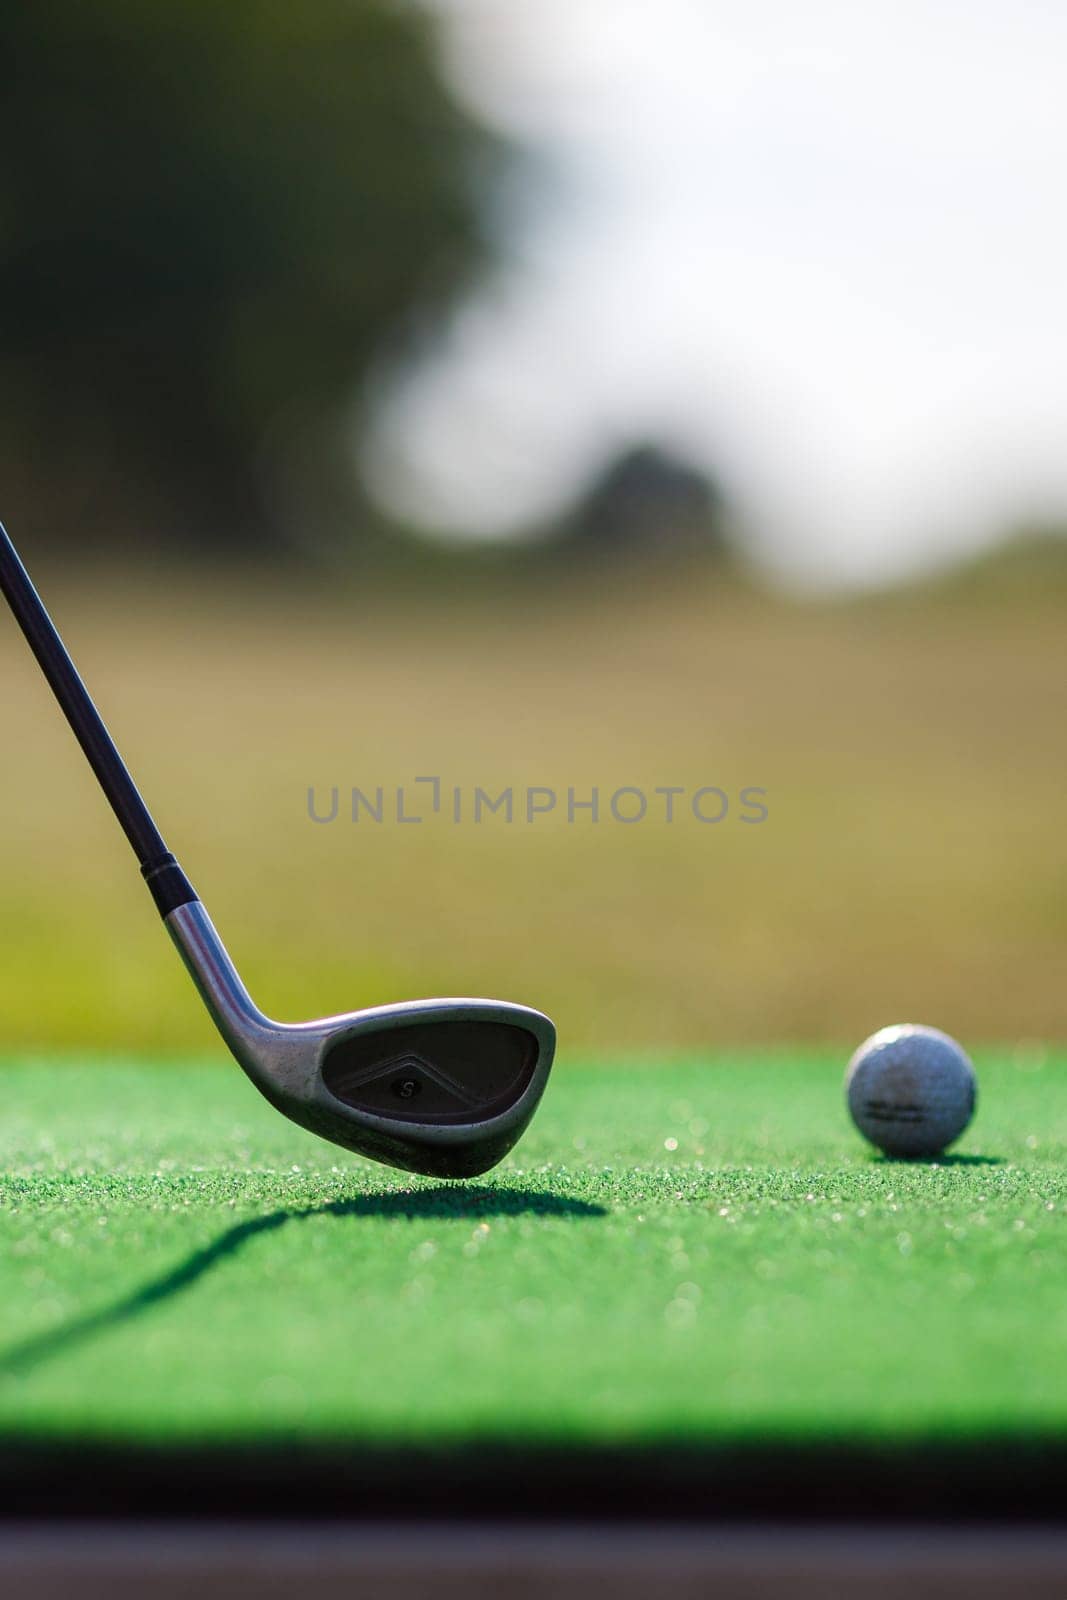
442, 1087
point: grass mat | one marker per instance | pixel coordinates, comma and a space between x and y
688, 1251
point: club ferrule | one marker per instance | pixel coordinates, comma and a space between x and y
168, 885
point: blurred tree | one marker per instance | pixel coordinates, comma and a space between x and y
215, 221
647, 502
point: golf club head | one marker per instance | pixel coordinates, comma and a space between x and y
441, 1087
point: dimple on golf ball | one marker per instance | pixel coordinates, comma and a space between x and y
911, 1090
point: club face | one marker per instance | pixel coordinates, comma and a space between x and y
438, 1072
438, 1087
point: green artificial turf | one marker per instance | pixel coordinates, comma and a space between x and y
689, 1251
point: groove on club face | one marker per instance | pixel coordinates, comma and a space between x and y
445, 1072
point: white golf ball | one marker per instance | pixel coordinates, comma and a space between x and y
911, 1090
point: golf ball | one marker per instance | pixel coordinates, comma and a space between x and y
911, 1090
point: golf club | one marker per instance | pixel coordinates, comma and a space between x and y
442, 1087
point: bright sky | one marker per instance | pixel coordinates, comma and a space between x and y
821, 248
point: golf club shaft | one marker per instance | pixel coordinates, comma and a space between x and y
164, 877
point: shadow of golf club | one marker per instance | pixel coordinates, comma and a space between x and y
445, 1203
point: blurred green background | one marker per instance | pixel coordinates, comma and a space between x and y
219, 227
912, 864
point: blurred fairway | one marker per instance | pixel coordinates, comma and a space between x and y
694, 1251
913, 865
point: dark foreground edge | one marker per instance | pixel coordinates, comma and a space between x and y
931, 1481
